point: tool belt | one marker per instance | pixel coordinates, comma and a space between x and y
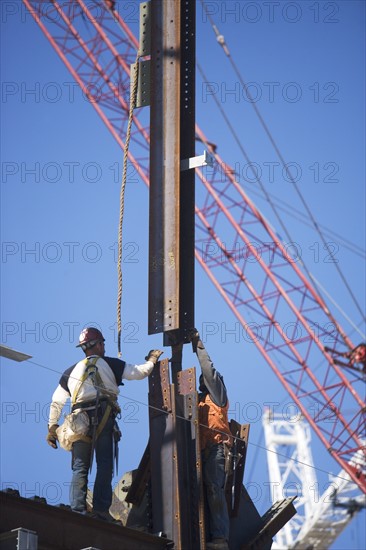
106, 408
88, 405
74, 428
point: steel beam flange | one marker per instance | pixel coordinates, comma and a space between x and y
159, 389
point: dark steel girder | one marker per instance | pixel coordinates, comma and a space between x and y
172, 131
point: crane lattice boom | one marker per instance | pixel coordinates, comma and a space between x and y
320, 518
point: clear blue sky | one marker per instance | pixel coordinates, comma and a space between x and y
60, 206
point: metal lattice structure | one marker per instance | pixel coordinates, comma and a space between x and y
320, 519
253, 271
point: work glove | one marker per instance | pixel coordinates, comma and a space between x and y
154, 355
193, 336
52, 436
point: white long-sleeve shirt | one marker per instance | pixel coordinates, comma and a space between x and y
111, 370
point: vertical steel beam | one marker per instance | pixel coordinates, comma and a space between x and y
163, 454
190, 467
172, 119
176, 489
164, 236
187, 150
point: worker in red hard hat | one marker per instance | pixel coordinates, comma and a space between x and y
92, 386
89, 337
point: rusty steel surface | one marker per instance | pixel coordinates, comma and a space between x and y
163, 454
172, 131
164, 234
199, 476
187, 381
175, 465
187, 150
58, 528
159, 389
190, 474
176, 359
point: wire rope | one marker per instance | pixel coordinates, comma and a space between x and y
309, 274
295, 213
221, 40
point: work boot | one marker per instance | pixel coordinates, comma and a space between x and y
105, 516
217, 544
81, 512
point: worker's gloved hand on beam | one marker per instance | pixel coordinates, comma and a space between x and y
154, 355
194, 337
52, 436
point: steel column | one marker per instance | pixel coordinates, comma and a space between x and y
171, 280
187, 150
191, 487
176, 490
163, 452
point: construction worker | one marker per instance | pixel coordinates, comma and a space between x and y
215, 440
92, 386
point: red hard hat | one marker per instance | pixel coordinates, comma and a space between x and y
91, 336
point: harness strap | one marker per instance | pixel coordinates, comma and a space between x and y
103, 422
88, 405
89, 364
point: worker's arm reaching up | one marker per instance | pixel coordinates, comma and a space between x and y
215, 440
210, 378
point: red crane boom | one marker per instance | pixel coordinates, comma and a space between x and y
253, 271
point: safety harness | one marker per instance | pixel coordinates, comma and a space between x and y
91, 372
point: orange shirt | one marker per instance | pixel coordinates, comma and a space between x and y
214, 423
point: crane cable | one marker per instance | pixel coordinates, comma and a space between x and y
299, 216
221, 40
320, 289
133, 96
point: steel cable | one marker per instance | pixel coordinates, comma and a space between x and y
221, 40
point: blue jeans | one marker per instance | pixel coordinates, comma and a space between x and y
213, 466
81, 455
